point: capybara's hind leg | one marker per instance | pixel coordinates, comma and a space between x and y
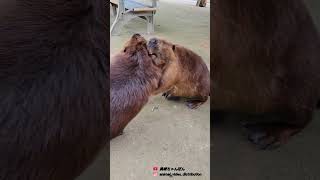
194, 103
272, 135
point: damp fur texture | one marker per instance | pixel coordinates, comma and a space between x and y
185, 73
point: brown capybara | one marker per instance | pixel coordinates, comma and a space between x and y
185, 73
133, 77
53, 87
266, 59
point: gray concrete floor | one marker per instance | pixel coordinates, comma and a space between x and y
172, 135
235, 158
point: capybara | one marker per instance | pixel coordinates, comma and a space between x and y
266, 60
54, 86
134, 76
185, 73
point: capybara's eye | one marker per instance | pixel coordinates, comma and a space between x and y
173, 47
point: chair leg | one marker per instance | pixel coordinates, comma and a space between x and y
114, 30
150, 24
117, 27
114, 10
118, 24
122, 19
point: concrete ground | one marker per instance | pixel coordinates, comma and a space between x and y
172, 135
234, 158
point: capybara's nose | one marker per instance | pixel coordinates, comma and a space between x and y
136, 35
153, 43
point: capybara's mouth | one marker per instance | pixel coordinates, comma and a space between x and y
153, 55
153, 47
151, 52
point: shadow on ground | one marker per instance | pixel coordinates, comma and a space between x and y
234, 157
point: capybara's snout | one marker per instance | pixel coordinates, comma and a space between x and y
136, 36
136, 42
138, 39
153, 44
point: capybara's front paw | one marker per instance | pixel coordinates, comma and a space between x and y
269, 136
168, 95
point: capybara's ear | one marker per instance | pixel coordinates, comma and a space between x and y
173, 47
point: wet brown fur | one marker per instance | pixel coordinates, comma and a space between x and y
266, 59
185, 73
133, 77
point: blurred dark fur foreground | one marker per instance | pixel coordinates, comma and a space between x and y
54, 87
266, 59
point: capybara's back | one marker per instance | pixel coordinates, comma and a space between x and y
266, 59
54, 87
133, 77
